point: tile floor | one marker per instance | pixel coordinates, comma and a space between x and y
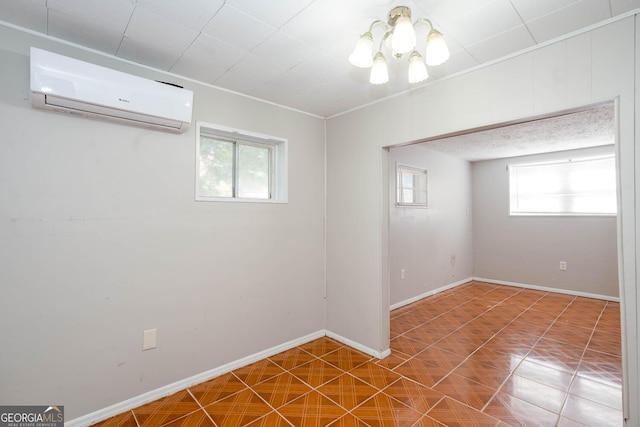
477, 355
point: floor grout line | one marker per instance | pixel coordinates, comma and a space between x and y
201, 407
135, 418
470, 318
495, 304
575, 375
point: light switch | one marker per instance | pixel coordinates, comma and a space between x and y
149, 339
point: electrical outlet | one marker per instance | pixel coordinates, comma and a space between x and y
402, 274
149, 339
563, 265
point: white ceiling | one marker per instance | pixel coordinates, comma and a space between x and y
294, 52
590, 128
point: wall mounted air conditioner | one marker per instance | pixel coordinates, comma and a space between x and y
68, 85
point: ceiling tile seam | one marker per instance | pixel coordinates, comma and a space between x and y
124, 33
226, 70
288, 69
278, 70
252, 51
436, 25
537, 46
148, 67
212, 16
470, 11
184, 51
537, 18
470, 54
265, 40
200, 33
268, 82
294, 16
498, 35
235, 45
524, 22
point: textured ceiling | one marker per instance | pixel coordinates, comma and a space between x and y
294, 52
589, 128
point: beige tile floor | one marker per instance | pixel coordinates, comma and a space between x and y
477, 355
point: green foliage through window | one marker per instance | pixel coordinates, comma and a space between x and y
239, 167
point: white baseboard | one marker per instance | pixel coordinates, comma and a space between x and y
127, 405
429, 293
548, 289
358, 346
134, 402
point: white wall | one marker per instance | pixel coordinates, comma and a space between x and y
432, 245
100, 239
528, 249
591, 67
357, 257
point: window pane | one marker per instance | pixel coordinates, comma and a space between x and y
411, 186
420, 189
407, 195
571, 187
216, 168
253, 172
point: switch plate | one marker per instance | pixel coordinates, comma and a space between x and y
149, 339
402, 274
563, 265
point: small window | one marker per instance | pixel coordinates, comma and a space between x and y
582, 186
411, 184
233, 165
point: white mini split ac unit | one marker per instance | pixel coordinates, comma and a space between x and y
65, 84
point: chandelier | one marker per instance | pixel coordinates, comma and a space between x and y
399, 37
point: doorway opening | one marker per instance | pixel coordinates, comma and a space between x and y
429, 247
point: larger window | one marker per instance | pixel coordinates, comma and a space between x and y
233, 165
581, 186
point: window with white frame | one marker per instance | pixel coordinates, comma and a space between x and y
233, 165
579, 186
411, 184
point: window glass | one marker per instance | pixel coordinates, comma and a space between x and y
216, 167
253, 171
236, 166
584, 186
411, 186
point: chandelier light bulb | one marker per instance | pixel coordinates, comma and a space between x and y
417, 68
403, 39
362, 55
437, 50
379, 71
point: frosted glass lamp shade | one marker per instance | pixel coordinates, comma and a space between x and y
417, 68
379, 71
437, 50
362, 55
403, 39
